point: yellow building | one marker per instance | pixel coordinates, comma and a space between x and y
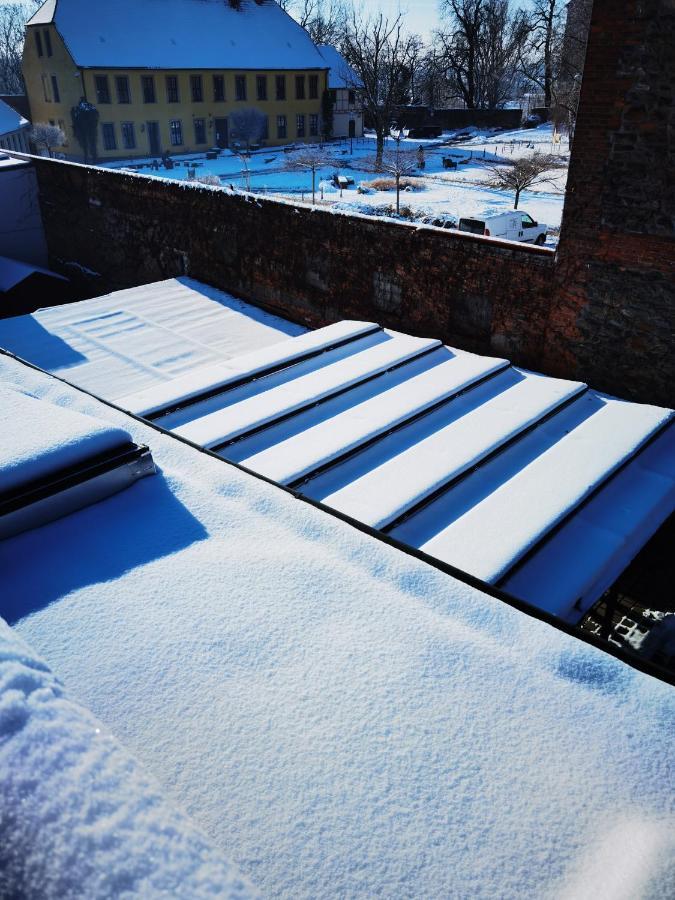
172, 75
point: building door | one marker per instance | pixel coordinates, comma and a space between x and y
153, 138
221, 132
352, 128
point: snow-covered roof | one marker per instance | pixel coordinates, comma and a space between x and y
338, 717
10, 119
92, 822
341, 74
14, 271
181, 34
493, 470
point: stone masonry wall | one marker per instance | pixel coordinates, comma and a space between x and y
309, 265
602, 310
613, 317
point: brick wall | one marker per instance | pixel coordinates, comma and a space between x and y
613, 318
602, 312
310, 265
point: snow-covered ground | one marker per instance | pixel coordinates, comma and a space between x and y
341, 719
442, 193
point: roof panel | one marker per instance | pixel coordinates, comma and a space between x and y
184, 34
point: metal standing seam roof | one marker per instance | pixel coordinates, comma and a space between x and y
540, 486
180, 34
484, 466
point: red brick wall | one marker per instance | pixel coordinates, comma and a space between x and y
613, 316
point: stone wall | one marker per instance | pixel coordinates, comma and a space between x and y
613, 319
307, 264
602, 311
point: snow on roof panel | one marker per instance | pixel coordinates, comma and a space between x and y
493, 470
10, 120
603, 537
339, 717
40, 438
341, 75
290, 460
180, 326
219, 376
225, 425
474, 426
184, 34
522, 494
44, 15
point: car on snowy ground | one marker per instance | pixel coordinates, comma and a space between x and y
515, 225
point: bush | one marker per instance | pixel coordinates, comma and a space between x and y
389, 184
207, 178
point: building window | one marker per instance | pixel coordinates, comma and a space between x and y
102, 89
281, 126
196, 88
109, 141
55, 90
218, 88
352, 98
48, 42
299, 87
45, 89
240, 87
122, 87
128, 136
38, 43
314, 125
265, 129
172, 89
281, 87
200, 131
300, 126
176, 132
313, 87
261, 87
148, 85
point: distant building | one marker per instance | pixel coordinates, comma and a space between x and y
172, 82
13, 129
343, 83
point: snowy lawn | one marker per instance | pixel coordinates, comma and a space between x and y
442, 193
341, 719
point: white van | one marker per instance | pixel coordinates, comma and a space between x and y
510, 226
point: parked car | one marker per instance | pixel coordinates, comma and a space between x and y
515, 225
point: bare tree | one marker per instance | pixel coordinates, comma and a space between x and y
380, 53
398, 163
541, 52
48, 136
247, 126
483, 49
519, 174
570, 69
13, 18
462, 44
324, 20
502, 38
311, 159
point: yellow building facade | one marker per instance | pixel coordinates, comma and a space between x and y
149, 111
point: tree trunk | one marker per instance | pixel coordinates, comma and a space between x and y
398, 194
379, 146
515, 205
313, 182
